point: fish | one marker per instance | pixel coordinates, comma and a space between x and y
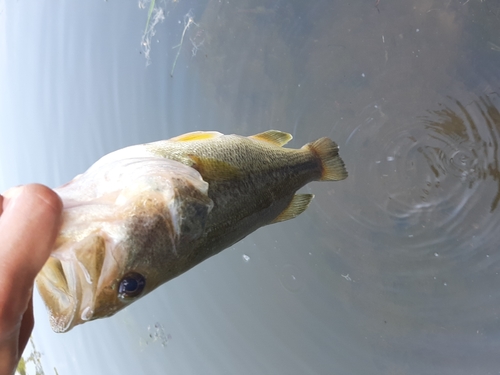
145, 214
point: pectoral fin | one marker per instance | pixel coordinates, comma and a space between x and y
275, 137
298, 205
213, 169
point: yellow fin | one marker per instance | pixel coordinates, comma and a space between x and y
298, 205
275, 137
332, 165
213, 169
196, 136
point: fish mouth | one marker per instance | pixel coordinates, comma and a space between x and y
59, 288
70, 282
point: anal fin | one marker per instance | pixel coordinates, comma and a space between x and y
298, 205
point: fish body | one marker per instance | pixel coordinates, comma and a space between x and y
145, 214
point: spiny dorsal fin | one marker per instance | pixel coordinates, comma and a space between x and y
273, 136
298, 205
333, 168
196, 136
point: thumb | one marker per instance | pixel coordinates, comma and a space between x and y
28, 228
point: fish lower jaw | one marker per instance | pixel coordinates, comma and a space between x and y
58, 293
62, 309
60, 323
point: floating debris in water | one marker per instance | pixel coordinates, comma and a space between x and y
155, 16
493, 46
188, 21
157, 333
347, 277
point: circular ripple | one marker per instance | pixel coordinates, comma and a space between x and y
433, 181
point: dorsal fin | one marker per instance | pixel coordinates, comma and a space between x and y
298, 205
275, 137
196, 136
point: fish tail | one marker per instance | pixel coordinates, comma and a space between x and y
332, 166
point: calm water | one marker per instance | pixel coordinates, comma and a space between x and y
392, 271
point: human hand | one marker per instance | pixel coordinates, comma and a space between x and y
29, 222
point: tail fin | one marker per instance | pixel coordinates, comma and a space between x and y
328, 152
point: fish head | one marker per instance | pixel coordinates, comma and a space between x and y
128, 227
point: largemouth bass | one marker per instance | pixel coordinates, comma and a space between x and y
145, 214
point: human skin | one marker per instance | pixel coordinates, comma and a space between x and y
30, 217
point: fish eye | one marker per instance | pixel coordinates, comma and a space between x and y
131, 285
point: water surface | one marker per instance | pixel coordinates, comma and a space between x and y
392, 271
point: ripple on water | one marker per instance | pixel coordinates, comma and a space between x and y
433, 182
291, 278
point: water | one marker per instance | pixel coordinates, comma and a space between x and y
392, 271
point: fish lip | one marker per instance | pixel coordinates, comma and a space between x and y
59, 287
